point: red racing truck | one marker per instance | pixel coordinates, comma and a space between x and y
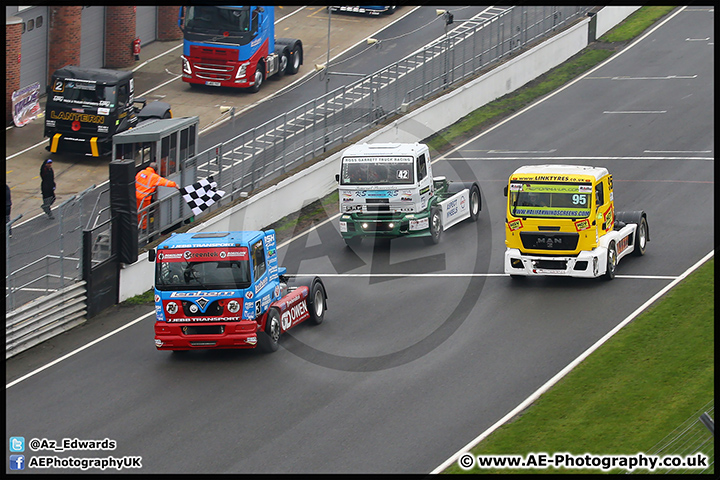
225, 46
226, 290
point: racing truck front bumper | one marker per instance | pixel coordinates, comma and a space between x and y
384, 225
200, 336
93, 146
587, 264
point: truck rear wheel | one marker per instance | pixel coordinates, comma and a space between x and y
294, 60
611, 262
268, 340
283, 62
316, 303
641, 237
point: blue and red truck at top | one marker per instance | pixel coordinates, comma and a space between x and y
235, 46
226, 290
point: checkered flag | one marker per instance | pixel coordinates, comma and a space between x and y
201, 195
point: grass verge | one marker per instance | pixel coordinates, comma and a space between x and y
624, 398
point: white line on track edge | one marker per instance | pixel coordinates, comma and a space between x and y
550, 383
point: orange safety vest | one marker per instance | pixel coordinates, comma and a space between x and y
147, 181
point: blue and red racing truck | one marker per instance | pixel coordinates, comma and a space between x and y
226, 290
226, 46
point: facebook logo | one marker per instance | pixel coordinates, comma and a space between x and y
17, 444
17, 462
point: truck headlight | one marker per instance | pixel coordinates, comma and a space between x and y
233, 306
186, 65
50, 123
171, 308
242, 70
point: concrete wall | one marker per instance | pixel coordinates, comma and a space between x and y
317, 181
608, 17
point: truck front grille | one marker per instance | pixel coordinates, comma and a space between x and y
213, 310
213, 72
549, 241
551, 264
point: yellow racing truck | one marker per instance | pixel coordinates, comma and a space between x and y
561, 221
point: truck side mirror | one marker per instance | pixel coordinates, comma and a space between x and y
151, 255
505, 190
337, 177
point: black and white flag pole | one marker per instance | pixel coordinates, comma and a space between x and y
201, 195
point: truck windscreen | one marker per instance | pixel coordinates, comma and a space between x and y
76, 92
379, 171
555, 200
210, 19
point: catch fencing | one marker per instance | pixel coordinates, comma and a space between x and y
255, 158
258, 156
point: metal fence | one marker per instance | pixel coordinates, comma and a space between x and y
694, 436
31, 272
257, 157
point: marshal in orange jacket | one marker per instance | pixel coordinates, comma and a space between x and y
146, 182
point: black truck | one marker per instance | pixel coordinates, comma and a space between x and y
87, 106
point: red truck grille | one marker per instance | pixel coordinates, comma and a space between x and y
213, 64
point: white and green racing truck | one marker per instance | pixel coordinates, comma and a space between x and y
387, 190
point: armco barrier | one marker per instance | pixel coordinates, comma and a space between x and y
318, 180
44, 318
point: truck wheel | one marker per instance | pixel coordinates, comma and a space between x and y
611, 262
474, 202
283, 62
316, 303
294, 60
641, 237
259, 77
435, 226
268, 339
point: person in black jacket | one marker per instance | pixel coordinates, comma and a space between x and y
8, 207
47, 186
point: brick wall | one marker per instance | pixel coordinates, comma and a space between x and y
13, 32
119, 35
167, 23
64, 37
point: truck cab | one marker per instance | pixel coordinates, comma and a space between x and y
561, 220
226, 290
388, 190
87, 106
234, 46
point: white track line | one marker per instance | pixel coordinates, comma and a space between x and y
528, 401
550, 383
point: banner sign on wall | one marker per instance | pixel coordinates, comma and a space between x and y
25, 104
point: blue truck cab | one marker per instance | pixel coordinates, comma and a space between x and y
226, 290
234, 46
